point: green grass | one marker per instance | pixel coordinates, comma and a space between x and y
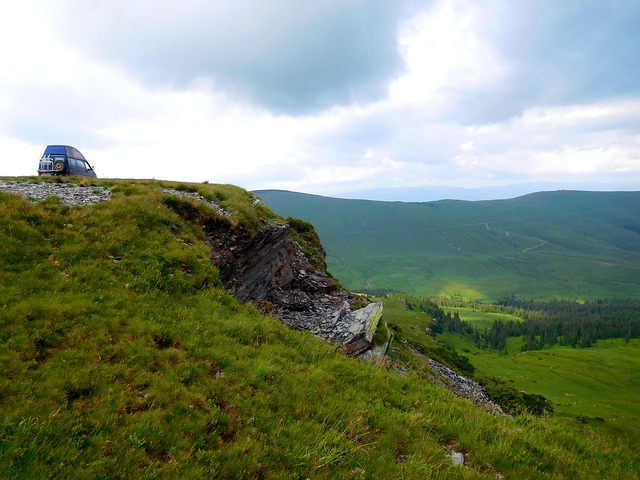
548, 245
598, 382
599, 386
480, 319
121, 356
601, 382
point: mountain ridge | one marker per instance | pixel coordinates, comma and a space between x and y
568, 244
429, 193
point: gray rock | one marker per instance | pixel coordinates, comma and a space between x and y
67, 193
269, 268
460, 385
457, 458
464, 387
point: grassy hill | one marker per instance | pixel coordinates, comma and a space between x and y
564, 244
122, 356
596, 387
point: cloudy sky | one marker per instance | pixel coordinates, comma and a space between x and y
328, 96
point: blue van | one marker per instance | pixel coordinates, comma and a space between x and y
64, 160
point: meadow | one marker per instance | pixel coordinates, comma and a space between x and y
123, 356
597, 386
481, 319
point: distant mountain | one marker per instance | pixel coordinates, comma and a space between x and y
562, 244
447, 192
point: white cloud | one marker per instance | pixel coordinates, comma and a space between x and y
444, 53
20, 158
273, 53
455, 114
559, 143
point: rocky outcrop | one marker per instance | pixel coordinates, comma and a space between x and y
267, 269
462, 386
67, 193
270, 270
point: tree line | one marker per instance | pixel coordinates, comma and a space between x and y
545, 323
565, 322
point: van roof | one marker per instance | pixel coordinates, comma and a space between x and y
64, 150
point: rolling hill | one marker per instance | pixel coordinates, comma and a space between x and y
122, 355
563, 244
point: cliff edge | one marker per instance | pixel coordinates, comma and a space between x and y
270, 270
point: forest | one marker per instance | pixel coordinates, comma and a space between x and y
544, 323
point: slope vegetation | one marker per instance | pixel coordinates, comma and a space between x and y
564, 244
123, 356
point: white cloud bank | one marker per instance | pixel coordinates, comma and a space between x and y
350, 95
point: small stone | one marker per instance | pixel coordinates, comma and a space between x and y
457, 458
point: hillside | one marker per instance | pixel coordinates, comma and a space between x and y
564, 244
123, 355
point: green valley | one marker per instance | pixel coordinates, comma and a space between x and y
596, 387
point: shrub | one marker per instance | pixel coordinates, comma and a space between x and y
512, 400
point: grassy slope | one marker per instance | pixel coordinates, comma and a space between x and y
122, 357
602, 381
548, 245
599, 382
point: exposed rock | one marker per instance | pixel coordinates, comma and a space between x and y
460, 385
67, 193
269, 269
464, 387
379, 352
457, 458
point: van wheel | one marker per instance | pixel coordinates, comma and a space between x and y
58, 166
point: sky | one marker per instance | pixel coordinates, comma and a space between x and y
329, 96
